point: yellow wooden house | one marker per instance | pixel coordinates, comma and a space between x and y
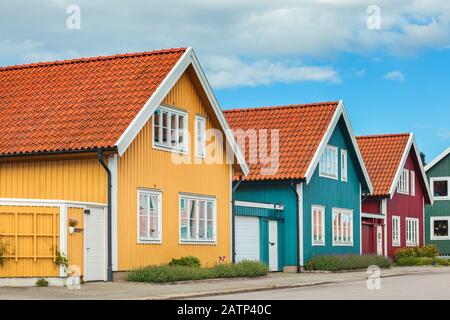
110, 162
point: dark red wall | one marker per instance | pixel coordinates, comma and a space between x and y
406, 206
371, 206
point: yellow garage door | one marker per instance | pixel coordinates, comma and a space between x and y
30, 235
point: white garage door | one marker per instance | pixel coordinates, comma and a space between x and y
95, 245
247, 238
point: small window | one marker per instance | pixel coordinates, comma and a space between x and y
149, 216
170, 129
403, 182
396, 242
412, 232
413, 183
342, 227
439, 188
200, 136
439, 228
318, 225
344, 165
328, 165
197, 219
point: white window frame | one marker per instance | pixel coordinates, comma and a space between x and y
403, 182
397, 232
202, 147
432, 236
149, 239
324, 172
411, 240
344, 165
320, 210
183, 148
432, 180
197, 240
336, 243
413, 183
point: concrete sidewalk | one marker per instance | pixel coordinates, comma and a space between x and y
191, 289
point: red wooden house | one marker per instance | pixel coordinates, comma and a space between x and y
393, 215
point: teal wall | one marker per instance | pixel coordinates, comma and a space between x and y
439, 207
277, 193
332, 193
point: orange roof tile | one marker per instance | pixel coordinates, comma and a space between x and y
301, 129
382, 155
77, 104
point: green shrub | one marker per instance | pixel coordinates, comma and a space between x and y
41, 283
430, 251
346, 262
423, 261
172, 273
189, 261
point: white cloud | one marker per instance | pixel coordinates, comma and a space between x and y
444, 132
395, 76
230, 72
266, 33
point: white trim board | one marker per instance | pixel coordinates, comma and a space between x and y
373, 216
260, 205
188, 58
340, 111
411, 143
48, 203
437, 159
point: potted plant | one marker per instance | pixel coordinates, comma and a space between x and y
72, 224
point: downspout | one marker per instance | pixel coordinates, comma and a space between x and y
109, 223
294, 188
233, 218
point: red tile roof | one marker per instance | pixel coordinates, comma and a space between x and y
77, 104
301, 128
382, 155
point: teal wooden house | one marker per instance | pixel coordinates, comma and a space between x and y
302, 197
437, 216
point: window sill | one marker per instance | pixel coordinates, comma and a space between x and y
396, 245
198, 242
412, 244
406, 193
440, 238
169, 149
441, 198
142, 241
342, 244
322, 175
318, 244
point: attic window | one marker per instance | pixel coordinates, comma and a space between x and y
328, 166
403, 182
170, 129
439, 188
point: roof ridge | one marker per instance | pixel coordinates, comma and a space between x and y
387, 135
90, 59
289, 106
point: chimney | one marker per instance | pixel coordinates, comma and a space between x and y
422, 157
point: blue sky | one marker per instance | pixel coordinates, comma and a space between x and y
393, 77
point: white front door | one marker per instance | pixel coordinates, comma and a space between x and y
379, 240
247, 238
95, 244
273, 245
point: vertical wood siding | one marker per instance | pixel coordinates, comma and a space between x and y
32, 237
440, 207
144, 167
75, 241
81, 179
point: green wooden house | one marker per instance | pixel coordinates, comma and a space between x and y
302, 197
437, 216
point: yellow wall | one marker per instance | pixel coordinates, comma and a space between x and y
143, 166
31, 235
75, 241
76, 179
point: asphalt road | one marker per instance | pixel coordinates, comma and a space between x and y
411, 287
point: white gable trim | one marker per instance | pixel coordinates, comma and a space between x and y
188, 58
340, 111
437, 159
411, 143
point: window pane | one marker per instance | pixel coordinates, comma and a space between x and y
192, 219
210, 210
440, 188
210, 230
165, 125
440, 228
156, 126
183, 219
154, 226
143, 227
173, 130
181, 131
201, 219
